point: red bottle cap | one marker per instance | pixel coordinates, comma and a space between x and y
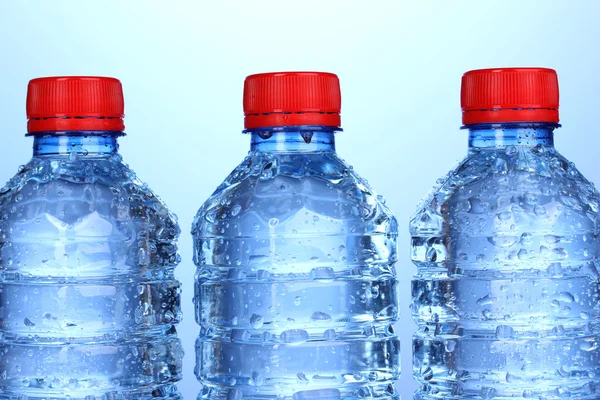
75, 103
292, 99
509, 95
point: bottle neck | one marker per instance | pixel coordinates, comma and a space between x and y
88, 143
293, 139
491, 136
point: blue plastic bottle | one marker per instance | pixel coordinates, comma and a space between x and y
506, 295
88, 300
296, 288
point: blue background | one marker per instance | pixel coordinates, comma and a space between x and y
182, 65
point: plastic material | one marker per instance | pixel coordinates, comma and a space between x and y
292, 99
296, 291
509, 95
507, 248
88, 297
75, 103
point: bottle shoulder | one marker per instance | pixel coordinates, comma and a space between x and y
518, 187
280, 193
72, 192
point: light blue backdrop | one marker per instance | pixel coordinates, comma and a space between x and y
182, 65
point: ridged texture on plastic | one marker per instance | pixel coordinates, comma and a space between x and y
75, 103
509, 95
292, 98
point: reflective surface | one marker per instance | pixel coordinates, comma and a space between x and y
296, 289
88, 300
506, 294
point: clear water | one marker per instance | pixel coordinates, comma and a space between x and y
506, 295
296, 290
88, 300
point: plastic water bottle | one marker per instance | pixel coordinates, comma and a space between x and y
506, 295
88, 300
295, 288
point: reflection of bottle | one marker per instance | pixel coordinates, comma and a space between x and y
296, 287
506, 293
88, 300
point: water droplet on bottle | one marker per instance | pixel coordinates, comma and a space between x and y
294, 336
301, 378
273, 222
236, 210
426, 373
505, 332
319, 316
329, 334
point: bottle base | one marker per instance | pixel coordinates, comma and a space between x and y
159, 392
347, 393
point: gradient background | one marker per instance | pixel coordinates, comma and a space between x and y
182, 65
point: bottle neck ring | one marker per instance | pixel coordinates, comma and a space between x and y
85, 143
482, 136
304, 138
